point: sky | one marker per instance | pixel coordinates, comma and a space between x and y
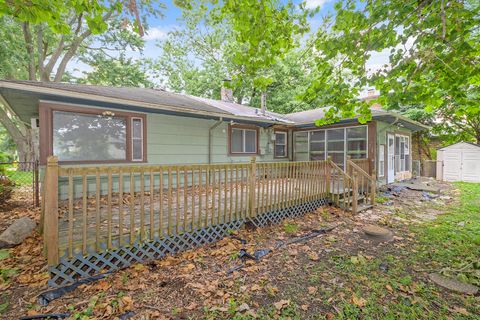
160, 26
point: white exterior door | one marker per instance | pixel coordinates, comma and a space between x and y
470, 166
390, 158
452, 165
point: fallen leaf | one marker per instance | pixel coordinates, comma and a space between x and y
281, 304
313, 256
312, 290
358, 301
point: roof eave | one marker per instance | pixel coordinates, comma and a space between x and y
86, 96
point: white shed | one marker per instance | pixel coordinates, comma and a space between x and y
459, 162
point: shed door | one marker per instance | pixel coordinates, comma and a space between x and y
471, 166
452, 165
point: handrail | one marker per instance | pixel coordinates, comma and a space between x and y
360, 170
368, 187
347, 186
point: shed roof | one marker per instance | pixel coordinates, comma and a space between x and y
470, 144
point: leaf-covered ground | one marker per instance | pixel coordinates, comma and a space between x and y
339, 275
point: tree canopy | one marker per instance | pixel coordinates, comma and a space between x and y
433, 59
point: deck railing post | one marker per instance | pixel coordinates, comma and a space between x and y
253, 177
374, 186
328, 174
50, 234
354, 192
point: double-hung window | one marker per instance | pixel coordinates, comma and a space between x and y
402, 153
281, 144
137, 139
81, 135
243, 140
381, 160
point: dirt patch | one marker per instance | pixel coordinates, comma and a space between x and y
308, 278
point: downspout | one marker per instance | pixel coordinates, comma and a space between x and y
216, 124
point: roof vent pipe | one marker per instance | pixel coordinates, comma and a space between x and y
226, 93
263, 102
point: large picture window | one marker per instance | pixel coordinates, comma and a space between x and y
243, 140
336, 143
81, 137
85, 135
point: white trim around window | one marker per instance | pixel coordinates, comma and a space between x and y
137, 139
284, 144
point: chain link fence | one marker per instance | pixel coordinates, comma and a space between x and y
19, 184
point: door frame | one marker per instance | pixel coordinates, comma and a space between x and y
390, 175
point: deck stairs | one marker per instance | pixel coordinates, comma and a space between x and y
353, 189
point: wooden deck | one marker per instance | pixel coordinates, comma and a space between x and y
159, 214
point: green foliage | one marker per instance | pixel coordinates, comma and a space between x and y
116, 72
262, 31
198, 56
53, 12
4, 254
290, 227
433, 61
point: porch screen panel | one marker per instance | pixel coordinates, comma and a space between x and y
301, 146
336, 146
317, 145
357, 142
82, 137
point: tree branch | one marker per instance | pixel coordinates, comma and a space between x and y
27, 35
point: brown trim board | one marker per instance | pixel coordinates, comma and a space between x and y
46, 130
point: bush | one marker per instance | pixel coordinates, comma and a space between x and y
6, 185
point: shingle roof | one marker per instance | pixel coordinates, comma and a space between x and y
159, 98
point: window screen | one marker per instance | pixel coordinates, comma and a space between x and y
243, 141
381, 160
357, 142
89, 137
301, 146
336, 145
137, 139
317, 145
280, 144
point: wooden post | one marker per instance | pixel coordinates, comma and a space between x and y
253, 177
354, 192
328, 174
50, 235
374, 186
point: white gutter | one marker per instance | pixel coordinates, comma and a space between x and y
216, 124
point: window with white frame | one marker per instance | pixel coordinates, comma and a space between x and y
281, 150
337, 143
137, 139
402, 153
317, 145
357, 142
381, 160
243, 141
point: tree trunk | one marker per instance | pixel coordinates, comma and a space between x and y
21, 137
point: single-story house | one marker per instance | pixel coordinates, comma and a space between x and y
84, 124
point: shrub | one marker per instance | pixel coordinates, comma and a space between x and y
6, 185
